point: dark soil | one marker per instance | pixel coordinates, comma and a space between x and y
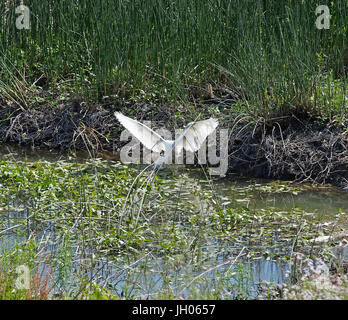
287, 148
292, 150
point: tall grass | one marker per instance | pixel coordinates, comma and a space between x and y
269, 52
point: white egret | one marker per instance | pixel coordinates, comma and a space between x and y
191, 138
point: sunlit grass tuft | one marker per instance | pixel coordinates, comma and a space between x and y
270, 54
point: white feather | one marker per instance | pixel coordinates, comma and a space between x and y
191, 138
149, 138
195, 134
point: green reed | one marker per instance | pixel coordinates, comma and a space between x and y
269, 52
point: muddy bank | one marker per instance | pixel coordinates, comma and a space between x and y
287, 148
292, 149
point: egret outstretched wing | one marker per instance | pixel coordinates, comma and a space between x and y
149, 138
191, 138
195, 134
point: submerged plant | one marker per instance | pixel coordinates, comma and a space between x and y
88, 230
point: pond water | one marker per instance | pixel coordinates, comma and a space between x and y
233, 263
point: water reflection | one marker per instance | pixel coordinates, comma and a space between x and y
18, 226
